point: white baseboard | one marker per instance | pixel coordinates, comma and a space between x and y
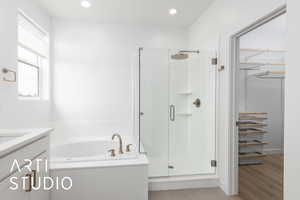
183, 182
273, 151
225, 189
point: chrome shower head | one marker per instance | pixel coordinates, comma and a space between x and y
180, 56
183, 54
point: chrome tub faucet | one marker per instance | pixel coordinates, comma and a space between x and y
120, 142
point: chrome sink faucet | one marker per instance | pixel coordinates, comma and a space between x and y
120, 142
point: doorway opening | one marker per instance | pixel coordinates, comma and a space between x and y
260, 54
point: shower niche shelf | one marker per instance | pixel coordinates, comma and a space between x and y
184, 93
186, 114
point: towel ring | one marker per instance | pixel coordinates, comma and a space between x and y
6, 71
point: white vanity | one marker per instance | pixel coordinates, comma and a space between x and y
18, 148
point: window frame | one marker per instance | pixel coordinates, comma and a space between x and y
43, 73
38, 96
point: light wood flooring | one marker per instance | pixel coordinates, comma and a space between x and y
262, 182
257, 182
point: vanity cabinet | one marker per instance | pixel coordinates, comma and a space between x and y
40, 170
19, 194
30, 180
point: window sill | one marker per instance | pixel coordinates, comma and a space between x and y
30, 98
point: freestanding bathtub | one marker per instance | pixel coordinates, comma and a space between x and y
96, 174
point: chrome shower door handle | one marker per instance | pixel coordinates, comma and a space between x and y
172, 112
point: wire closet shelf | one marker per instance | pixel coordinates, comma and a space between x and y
263, 63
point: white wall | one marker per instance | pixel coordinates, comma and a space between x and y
93, 75
15, 113
222, 19
292, 108
267, 95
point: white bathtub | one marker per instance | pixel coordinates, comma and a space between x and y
96, 174
93, 149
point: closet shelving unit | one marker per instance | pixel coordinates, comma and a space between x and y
251, 137
264, 63
261, 64
270, 75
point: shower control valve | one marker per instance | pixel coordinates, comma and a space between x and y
197, 102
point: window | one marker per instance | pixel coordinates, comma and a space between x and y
33, 59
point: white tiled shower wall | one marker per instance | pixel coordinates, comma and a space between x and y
93, 75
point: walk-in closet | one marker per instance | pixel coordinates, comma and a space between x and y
262, 62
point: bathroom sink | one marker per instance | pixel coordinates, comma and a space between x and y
12, 139
5, 139
6, 136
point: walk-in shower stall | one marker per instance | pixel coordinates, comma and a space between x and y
177, 111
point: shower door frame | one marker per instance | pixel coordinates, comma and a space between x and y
232, 55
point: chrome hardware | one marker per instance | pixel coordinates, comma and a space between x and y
172, 112
34, 177
213, 163
6, 71
188, 51
29, 176
214, 61
197, 102
141, 113
128, 149
120, 142
221, 68
112, 152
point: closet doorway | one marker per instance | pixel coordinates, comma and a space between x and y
260, 110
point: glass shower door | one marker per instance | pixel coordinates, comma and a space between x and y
192, 107
154, 103
177, 112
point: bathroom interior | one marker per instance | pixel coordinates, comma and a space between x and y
124, 100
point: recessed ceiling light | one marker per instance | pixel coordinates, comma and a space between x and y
172, 11
85, 4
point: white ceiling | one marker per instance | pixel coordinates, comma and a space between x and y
129, 11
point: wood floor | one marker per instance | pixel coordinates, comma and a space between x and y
262, 182
257, 182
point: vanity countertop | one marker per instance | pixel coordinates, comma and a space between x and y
13, 139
